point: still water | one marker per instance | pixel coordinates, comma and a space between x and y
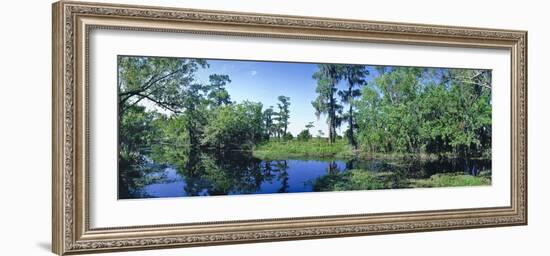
241, 173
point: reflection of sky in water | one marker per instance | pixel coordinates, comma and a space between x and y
300, 175
171, 186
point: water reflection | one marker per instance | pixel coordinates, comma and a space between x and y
230, 173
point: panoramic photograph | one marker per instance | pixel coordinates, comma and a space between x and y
208, 127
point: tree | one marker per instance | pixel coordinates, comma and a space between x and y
305, 135
218, 94
288, 136
223, 130
309, 125
235, 126
413, 110
470, 95
254, 113
328, 76
401, 89
157, 80
269, 127
283, 115
354, 75
195, 114
370, 120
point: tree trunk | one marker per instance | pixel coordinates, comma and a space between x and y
332, 122
351, 137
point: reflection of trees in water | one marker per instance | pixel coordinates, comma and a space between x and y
470, 166
421, 168
351, 163
129, 185
229, 173
206, 173
332, 168
136, 173
282, 167
396, 173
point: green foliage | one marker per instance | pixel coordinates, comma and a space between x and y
282, 117
236, 126
288, 136
161, 81
218, 95
354, 75
305, 135
173, 143
416, 110
328, 76
135, 133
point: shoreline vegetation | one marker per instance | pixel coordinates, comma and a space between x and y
358, 179
169, 117
315, 147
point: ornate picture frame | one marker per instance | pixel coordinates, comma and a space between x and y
72, 23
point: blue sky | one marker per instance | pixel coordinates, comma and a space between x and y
263, 82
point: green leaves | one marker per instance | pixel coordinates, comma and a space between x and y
135, 133
160, 81
218, 95
236, 126
431, 110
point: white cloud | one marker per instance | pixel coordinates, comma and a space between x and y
253, 72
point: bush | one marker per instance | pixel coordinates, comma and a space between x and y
288, 136
304, 135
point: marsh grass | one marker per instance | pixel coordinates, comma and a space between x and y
315, 147
321, 148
